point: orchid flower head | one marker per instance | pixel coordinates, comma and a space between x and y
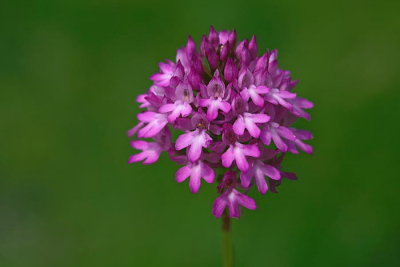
231, 112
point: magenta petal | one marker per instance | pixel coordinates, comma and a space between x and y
271, 172
166, 108
252, 128
138, 157
208, 173
183, 173
246, 201
238, 126
195, 151
173, 115
147, 116
302, 134
245, 178
305, 147
241, 161
245, 94
260, 118
139, 144
279, 143
266, 136
194, 183
233, 206
152, 156
251, 150
304, 103
183, 141
186, 110
212, 111
135, 129
262, 89
257, 99
286, 94
228, 157
151, 129
219, 206
225, 106
285, 132
262, 185
154, 126
200, 140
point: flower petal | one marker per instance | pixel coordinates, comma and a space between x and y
252, 128
246, 201
147, 116
195, 176
184, 140
279, 143
207, 173
251, 150
246, 177
166, 108
228, 157
262, 185
271, 171
240, 159
219, 206
182, 174
138, 157
239, 126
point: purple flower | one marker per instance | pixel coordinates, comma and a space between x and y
238, 152
155, 123
151, 150
299, 136
258, 171
275, 132
231, 198
181, 105
214, 102
166, 72
250, 90
297, 107
248, 121
195, 171
279, 97
232, 112
195, 140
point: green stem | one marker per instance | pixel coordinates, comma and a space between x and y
227, 245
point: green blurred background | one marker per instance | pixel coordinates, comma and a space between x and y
69, 74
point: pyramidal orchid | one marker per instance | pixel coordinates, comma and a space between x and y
233, 111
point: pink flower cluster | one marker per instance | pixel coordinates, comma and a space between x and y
234, 110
